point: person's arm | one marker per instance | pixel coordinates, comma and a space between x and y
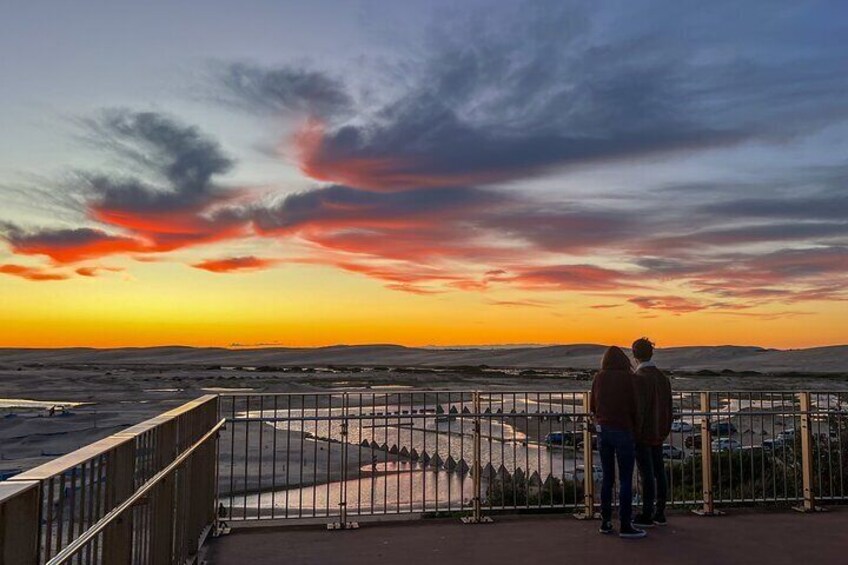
593, 400
635, 407
670, 404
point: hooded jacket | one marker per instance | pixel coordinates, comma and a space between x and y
613, 395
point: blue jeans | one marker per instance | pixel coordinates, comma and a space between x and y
617, 445
649, 459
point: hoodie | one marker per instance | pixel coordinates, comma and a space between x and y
613, 394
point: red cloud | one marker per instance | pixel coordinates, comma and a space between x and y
676, 304
569, 277
231, 264
72, 245
31, 273
374, 173
93, 271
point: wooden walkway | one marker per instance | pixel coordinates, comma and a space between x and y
742, 537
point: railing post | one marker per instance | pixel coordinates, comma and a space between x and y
19, 522
807, 471
708, 508
120, 484
162, 498
476, 467
343, 524
588, 463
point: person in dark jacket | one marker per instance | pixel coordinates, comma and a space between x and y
653, 395
613, 404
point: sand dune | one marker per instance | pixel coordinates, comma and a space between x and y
737, 358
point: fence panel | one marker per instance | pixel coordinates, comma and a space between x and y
78, 491
370, 453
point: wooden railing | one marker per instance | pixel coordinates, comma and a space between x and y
144, 495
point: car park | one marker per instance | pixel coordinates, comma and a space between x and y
693, 442
725, 444
564, 439
681, 426
671, 452
722, 428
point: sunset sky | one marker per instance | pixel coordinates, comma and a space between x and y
423, 173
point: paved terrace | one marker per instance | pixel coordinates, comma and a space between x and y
742, 537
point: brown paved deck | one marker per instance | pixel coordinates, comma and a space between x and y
740, 537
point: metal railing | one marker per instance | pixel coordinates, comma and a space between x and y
152, 493
340, 455
144, 495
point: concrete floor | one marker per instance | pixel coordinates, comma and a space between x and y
742, 537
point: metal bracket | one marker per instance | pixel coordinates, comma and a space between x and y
706, 513
221, 529
476, 520
806, 510
343, 526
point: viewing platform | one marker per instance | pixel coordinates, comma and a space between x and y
741, 537
262, 477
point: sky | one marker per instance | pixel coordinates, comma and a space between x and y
300, 174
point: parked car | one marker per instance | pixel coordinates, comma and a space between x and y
787, 435
693, 442
564, 439
723, 428
671, 452
681, 426
580, 472
725, 444
775, 444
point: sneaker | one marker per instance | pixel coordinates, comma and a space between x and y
659, 519
630, 532
606, 527
643, 521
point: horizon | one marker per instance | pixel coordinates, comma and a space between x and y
423, 174
235, 347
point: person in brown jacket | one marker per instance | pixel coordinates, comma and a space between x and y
653, 397
613, 404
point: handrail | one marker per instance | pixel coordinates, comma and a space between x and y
75, 458
79, 543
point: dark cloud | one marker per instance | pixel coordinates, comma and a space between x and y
70, 245
284, 90
345, 207
751, 233
178, 162
506, 97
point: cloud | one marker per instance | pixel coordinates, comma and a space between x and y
502, 97
31, 273
172, 202
428, 166
291, 90
71, 245
176, 202
345, 207
570, 278
234, 264
520, 303
95, 271
674, 304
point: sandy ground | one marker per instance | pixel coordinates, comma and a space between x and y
117, 396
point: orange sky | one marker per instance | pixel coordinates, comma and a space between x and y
169, 303
571, 173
